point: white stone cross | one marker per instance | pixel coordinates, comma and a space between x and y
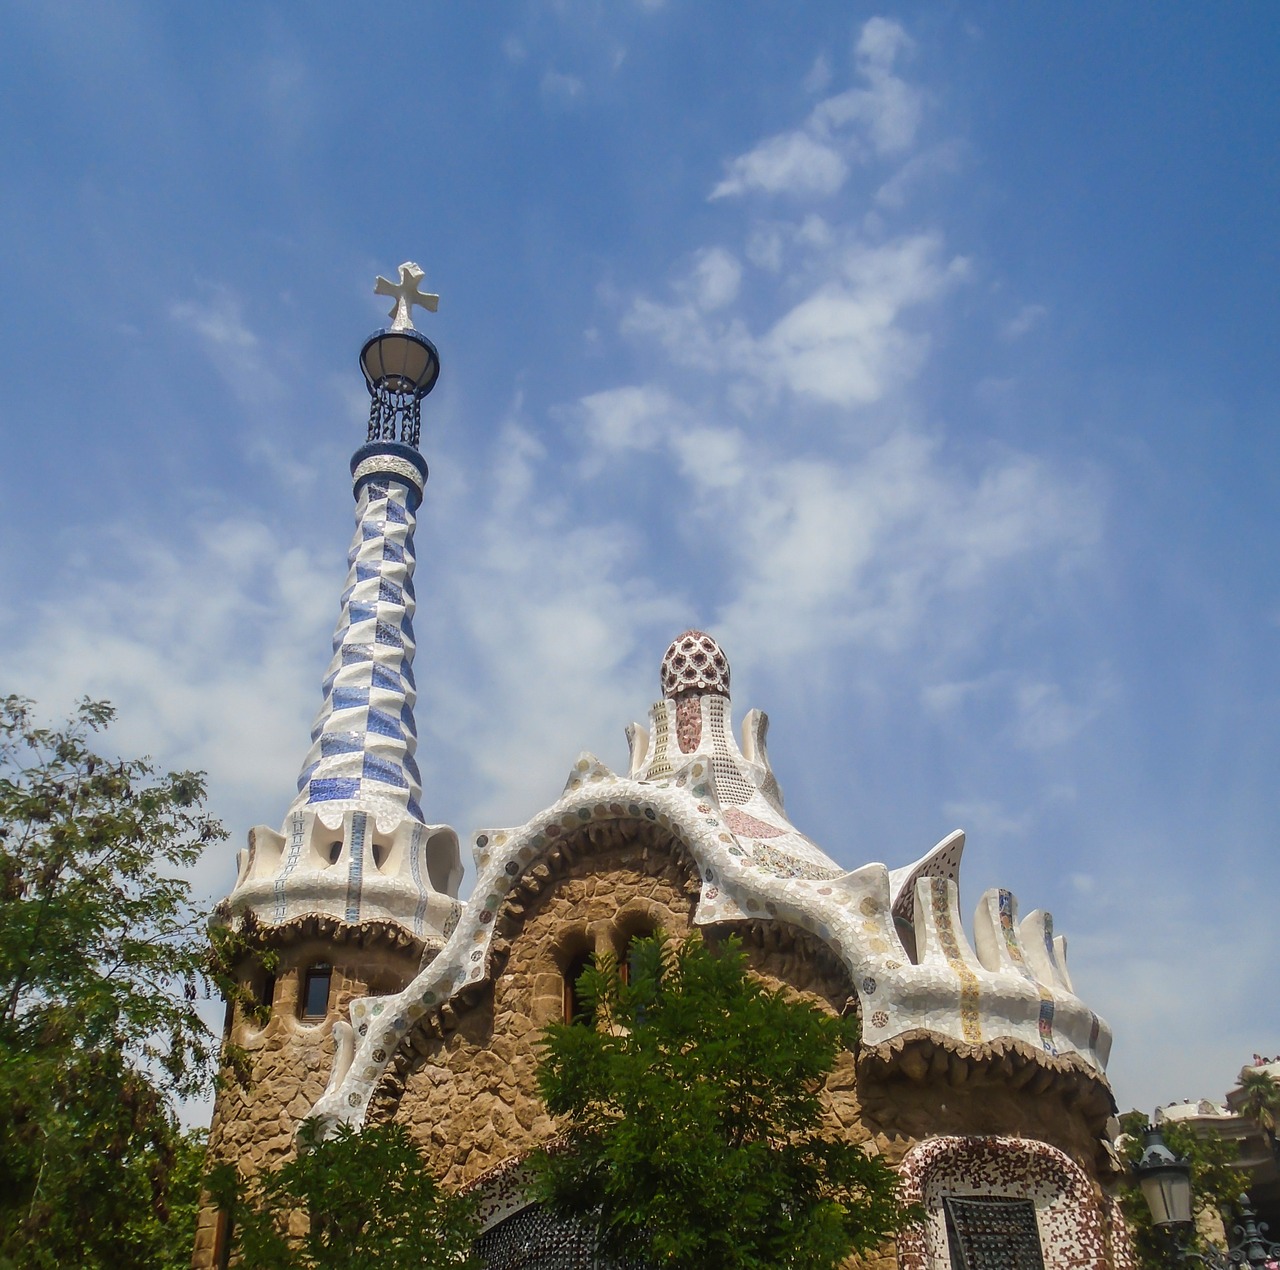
407, 292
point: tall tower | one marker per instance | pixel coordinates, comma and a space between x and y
357, 892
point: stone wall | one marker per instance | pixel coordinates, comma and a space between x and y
290, 1057
468, 1093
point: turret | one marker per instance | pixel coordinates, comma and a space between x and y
357, 891
355, 845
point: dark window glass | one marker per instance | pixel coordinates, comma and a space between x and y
576, 1009
268, 993
315, 992
992, 1232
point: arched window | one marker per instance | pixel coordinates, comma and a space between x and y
576, 1010
315, 991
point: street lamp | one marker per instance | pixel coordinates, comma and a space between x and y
1165, 1180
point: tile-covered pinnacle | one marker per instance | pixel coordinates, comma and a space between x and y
363, 739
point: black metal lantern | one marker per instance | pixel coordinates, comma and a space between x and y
400, 367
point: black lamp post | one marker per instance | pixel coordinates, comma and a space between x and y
1166, 1186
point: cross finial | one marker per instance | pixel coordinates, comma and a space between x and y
407, 292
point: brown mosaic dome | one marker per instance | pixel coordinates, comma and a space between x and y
695, 663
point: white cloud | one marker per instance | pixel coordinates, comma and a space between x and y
878, 550
716, 278
1047, 718
559, 86
1026, 319
868, 550
627, 419
946, 698
880, 42
556, 617
196, 641
985, 819
791, 162
881, 117
230, 345
1155, 964
844, 343
942, 160
218, 321
819, 75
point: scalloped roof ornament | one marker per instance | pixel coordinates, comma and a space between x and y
720, 802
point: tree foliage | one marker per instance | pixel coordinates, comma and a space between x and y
1215, 1185
352, 1199
101, 954
1260, 1102
694, 1132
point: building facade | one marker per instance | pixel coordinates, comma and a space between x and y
980, 1075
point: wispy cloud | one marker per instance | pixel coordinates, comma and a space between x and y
844, 343
557, 86
879, 117
1026, 319
217, 320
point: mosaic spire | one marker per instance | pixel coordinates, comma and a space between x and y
354, 843
363, 739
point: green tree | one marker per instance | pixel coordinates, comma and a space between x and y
101, 955
1260, 1102
694, 1132
1215, 1184
350, 1199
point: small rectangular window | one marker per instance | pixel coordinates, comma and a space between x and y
576, 1009
992, 1232
268, 993
223, 1240
315, 992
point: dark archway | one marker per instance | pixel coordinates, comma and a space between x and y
536, 1239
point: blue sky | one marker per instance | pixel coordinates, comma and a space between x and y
925, 356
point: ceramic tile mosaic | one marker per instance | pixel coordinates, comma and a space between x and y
355, 845
363, 739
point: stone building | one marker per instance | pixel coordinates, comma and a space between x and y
980, 1075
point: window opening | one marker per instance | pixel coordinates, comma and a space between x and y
626, 967
992, 1232
380, 852
576, 1010
315, 992
267, 993
335, 850
223, 1237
